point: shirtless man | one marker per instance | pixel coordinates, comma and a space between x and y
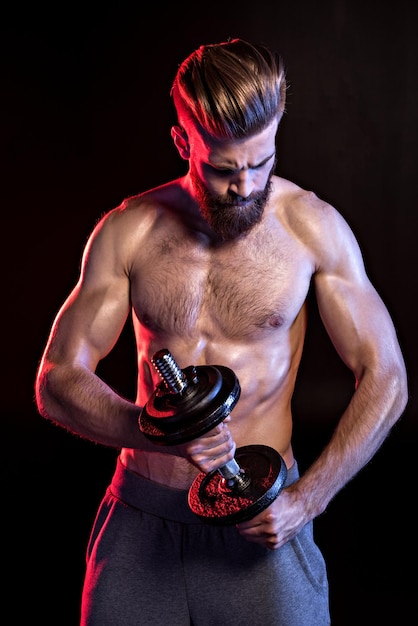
216, 268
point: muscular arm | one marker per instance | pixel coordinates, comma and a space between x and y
363, 334
86, 328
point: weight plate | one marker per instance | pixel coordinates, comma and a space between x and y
213, 501
177, 418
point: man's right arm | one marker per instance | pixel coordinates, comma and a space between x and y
67, 389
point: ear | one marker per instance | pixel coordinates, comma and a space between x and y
181, 141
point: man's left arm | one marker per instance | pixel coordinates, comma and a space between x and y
362, 331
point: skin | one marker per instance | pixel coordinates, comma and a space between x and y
240, 303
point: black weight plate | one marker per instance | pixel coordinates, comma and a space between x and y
177, 407
214, 502
202, 409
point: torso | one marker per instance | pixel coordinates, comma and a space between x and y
241, 304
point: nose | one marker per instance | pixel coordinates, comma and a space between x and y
242, 184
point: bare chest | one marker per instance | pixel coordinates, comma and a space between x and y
245, 288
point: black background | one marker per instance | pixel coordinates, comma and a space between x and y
85, 122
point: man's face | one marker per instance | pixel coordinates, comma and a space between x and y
228, 215
232, 179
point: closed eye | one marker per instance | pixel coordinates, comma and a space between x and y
220, 171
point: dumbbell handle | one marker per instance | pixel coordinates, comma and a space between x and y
176, 381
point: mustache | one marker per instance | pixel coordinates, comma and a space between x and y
219, 203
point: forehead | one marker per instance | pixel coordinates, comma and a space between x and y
237, 153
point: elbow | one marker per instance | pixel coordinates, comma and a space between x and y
42, 395
403, 389
399, 386
388, 384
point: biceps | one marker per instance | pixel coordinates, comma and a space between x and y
356, 320
88, 325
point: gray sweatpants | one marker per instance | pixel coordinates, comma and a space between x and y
152, 562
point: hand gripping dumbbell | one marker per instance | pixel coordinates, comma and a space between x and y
187, 404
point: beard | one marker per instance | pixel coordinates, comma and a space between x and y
231, 216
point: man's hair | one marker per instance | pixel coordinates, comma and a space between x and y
231, 89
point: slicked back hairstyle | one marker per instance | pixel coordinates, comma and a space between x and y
232, 89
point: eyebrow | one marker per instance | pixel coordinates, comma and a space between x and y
237, 169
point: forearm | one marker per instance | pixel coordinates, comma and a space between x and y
373, 410
79, 401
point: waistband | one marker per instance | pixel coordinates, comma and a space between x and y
156, 499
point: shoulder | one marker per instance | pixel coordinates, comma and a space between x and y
316, 223
122, 231
140, 207
136, 214
301, 208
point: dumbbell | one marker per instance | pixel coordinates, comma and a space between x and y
187, 404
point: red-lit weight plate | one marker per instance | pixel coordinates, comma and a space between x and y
216, 503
